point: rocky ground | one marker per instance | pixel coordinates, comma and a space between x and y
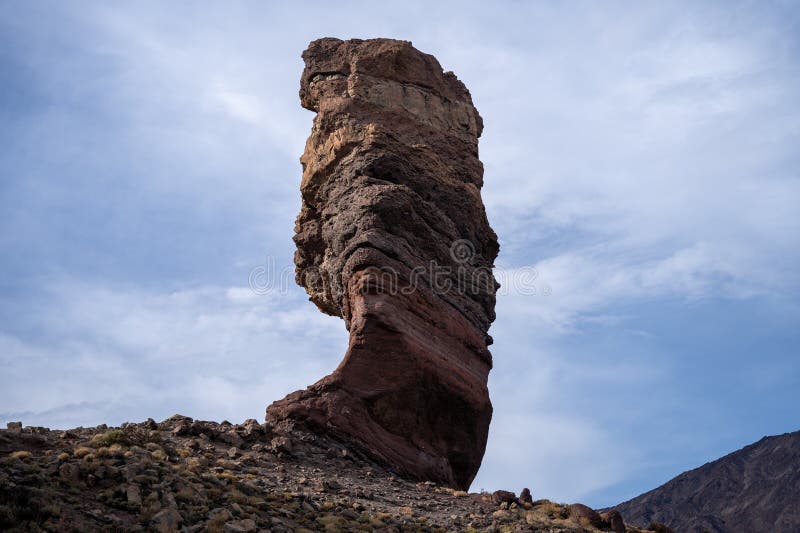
185, 475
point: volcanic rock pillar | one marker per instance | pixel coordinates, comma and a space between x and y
393, 237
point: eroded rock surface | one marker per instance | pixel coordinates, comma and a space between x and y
393, 237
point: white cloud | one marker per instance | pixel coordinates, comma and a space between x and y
125, 352
652, 140
523, 447
242, 295
241, 106
651, 156
560, 293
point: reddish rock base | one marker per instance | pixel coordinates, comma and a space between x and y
410, 371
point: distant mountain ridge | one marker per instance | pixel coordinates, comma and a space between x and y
755, 489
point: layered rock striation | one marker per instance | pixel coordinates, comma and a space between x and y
393, 237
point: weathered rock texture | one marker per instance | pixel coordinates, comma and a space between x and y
393, 238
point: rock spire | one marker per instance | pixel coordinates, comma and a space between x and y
393, 237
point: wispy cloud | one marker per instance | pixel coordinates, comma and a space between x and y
640, 158
119, 353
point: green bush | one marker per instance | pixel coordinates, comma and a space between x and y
114, 436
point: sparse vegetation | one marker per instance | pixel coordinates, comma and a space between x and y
114, 436
81, 451
21, 455
145, 476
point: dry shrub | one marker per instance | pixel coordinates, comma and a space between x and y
113, 436
22, 455
159, 455
82, 451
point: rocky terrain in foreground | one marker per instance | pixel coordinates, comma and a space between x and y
185, 475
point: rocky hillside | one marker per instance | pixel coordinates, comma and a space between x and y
192, 476
753, 489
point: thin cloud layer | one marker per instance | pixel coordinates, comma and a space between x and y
641, 172
209, 352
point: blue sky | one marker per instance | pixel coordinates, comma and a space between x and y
641, 157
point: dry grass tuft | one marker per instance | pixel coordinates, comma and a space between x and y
22, 455
82, 451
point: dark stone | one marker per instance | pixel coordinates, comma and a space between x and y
585, 515
503, 496
614, 521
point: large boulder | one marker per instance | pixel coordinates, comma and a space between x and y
585, 515
393, 237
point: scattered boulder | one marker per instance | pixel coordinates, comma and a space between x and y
281, 445
585, 515
173, 421
134, 495
503, 496
199, 427
69, 472
167, 520
614, 521
232, 437
525, 496
182, 429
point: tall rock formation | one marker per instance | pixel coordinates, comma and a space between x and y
393, 237
753, 489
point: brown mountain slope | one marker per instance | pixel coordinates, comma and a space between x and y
755, 489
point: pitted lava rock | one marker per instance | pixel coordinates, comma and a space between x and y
393, 237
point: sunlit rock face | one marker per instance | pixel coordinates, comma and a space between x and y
393, 237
